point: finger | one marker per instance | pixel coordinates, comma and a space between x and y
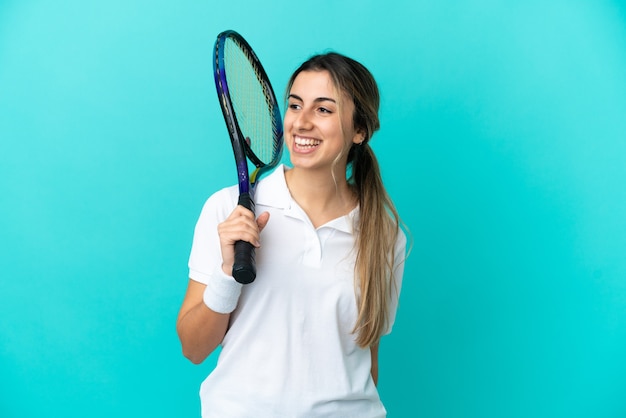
239, 229
240, 211
262, 220
229, 234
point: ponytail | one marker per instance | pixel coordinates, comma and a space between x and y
378, 228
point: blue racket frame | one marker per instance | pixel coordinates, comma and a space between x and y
244, 268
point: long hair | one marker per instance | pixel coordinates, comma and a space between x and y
378, 221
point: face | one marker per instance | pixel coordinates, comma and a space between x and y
318, 123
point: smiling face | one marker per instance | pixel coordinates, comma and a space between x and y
318, 123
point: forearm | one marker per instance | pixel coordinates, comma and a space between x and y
200, 331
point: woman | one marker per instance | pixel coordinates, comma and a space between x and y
302, 339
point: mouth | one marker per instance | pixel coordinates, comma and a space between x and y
303, 143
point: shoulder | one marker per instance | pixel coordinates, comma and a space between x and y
223, 196
401, 240
401, 249
221, 203
272, 190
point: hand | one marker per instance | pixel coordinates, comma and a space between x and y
240, 225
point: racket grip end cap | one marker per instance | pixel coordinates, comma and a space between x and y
244, 276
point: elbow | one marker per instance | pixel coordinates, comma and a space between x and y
191, 351
195, 359
195, 348
194, 356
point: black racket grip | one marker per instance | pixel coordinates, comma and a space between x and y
244, 267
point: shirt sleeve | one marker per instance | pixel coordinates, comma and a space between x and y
205, 254
398, 273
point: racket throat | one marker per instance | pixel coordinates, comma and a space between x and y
245, 200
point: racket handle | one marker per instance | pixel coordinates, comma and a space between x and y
244, 267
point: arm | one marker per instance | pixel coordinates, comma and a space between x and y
200, 329
203, 317
374, 351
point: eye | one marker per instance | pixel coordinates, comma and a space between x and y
324, 110
293, 106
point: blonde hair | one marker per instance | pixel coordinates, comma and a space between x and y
378, 224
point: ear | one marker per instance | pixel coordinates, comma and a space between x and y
359, 137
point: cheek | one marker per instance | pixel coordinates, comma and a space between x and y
287, 137
287, 123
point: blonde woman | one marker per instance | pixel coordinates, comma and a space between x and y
302, 339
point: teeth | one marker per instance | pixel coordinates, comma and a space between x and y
306, 142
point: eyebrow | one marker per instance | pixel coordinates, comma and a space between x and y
319, 99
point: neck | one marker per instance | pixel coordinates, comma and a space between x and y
322, 196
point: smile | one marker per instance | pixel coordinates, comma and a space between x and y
306, 142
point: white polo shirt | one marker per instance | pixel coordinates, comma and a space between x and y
289, 351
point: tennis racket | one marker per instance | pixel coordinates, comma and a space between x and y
254, 124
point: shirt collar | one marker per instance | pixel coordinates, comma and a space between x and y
345, 223
272, 191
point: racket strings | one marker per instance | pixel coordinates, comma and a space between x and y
251, 101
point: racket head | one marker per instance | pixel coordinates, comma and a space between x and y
247, 97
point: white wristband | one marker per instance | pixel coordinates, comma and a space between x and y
222, 292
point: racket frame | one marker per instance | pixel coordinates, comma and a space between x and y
244, 268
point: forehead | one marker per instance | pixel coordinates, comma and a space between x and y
314, 81
315, 84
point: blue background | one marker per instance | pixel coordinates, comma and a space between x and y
503, 142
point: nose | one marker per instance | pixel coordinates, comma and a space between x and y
302, 121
